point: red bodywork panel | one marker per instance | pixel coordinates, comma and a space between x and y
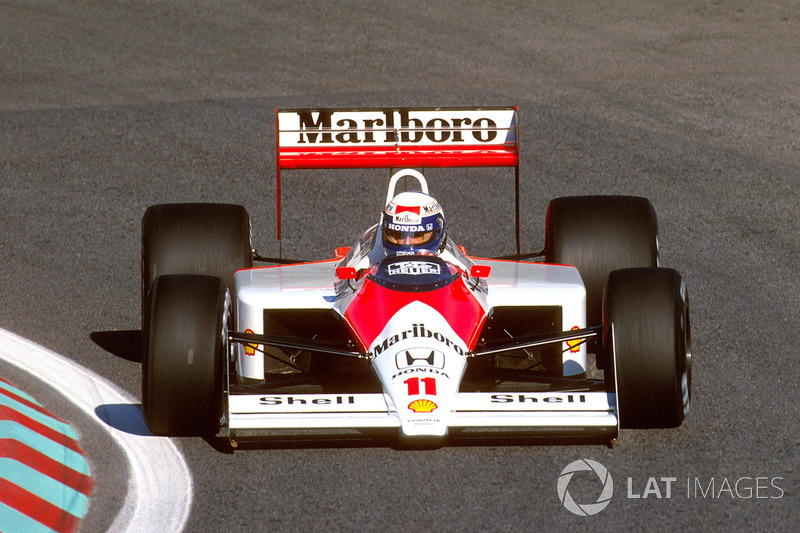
374, 306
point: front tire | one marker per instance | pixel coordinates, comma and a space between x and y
647, 333
184, 353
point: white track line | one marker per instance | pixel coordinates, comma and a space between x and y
159, 494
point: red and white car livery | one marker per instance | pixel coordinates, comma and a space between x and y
424, 346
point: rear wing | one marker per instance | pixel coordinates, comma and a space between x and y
397, 138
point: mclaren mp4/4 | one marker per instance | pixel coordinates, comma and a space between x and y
420, 343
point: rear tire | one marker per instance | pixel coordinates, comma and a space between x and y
647, 333
207, 239
184, 353
600, 234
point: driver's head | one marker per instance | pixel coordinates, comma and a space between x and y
413, 222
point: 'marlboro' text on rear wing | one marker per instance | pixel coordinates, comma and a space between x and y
397, 137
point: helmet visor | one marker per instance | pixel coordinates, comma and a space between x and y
407, 238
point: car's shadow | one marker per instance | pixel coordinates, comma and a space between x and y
223, 445
123, 417
126, 344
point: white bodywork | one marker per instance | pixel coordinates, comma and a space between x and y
311, 286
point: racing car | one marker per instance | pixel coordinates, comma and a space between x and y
402, 333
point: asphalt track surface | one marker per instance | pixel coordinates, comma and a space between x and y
108, 107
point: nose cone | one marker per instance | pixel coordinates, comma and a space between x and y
420, 363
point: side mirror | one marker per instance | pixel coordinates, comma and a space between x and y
480, 271
346, 273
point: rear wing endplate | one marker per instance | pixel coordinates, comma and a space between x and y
395, 138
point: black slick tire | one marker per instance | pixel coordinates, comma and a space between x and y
194, 238
184, 353
600, 234
647, 333
597, 235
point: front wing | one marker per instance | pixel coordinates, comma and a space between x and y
583, 408
589, 414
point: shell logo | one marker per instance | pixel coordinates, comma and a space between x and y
249, 349
422, 406
574, 345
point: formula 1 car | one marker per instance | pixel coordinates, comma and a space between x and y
417, 343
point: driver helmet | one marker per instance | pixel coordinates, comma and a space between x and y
413, 222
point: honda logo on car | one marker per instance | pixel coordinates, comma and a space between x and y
419, 357
391, 126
